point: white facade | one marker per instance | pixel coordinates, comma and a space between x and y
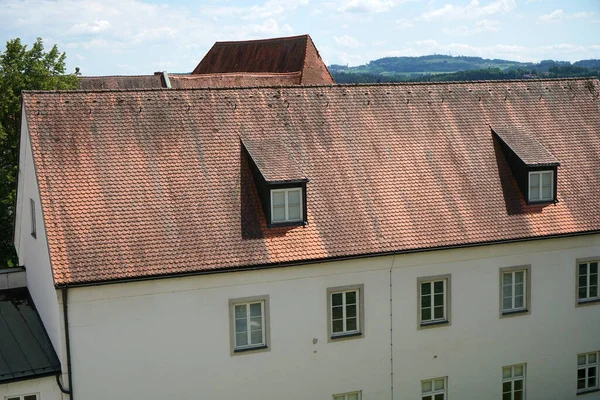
170, 337
45, 388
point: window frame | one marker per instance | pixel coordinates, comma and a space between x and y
360, 309
433, 391
587, 301
286, 209
513, 379
586, 367
22, 396
346, 394
527, 288
552, 184
266, 346
447, 301
33, 218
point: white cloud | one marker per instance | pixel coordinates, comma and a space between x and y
404, 24
559, 15
346, 41
89, 28
482, 26
554, 16
471, 11
369, 6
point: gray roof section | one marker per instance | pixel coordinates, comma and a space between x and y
25, 349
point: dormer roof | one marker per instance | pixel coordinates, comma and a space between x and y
525, 146
274, 160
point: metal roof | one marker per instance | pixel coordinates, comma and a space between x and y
25, 349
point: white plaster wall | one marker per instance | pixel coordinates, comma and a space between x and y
45, 387
33, 252
473, 349
170, 338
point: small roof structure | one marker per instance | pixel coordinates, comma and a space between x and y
25, 348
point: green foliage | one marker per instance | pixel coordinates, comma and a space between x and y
437, 67
21, 69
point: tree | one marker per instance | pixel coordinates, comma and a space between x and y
21, 69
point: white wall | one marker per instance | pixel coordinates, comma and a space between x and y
45, 387
170, 338
473, 349
33, 252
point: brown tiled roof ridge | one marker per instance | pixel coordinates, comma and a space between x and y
373, 84
282, 38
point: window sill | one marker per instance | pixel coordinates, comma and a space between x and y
286, 224
582, 393
435, 324
246, 350
346, 336
515, 313
583, 303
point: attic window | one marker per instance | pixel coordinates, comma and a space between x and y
541, 186
533, 166
286, 205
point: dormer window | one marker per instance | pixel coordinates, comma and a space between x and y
280, 181
533, 166
286, 205
541, 186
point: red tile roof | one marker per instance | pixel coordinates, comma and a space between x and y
525, 146
147, 183
234, 80
121, 82
280, 55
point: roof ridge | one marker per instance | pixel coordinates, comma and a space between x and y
383, 84
264, 40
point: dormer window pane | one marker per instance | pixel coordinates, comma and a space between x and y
546, 185
278, 213
541, 186
534, 187
286, 205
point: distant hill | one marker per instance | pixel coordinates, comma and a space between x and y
448, 68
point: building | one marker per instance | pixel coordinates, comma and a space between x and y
398, 241
283, 61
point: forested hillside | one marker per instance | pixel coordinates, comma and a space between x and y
448, 68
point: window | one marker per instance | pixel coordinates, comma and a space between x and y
249, 323
348, 396
433, 304
513, 382
541, 186
346, 310
286, 205
24, 397
514, 290
587, 372
434, 389
587, 281
33, 224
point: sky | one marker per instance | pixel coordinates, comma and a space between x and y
125, 37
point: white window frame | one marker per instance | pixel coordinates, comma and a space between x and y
588, 299
346, 396
586, 366
33, 219
445, 320
514, 378
253, 347
434, 392
286, 194
513, 310
345, 330
22, 396
540, 173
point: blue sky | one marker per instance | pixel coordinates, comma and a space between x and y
116, 37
